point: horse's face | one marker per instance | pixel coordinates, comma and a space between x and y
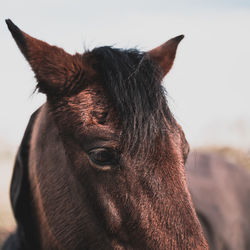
108, 171
139, 199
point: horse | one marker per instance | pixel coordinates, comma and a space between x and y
101, 164
220, 191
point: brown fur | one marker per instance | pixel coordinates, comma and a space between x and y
164, 55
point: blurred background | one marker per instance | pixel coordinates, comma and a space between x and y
208, 87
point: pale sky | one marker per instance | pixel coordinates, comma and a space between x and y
208, 87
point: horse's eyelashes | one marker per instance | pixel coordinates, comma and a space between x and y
103, 158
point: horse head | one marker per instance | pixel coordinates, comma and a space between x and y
106, 156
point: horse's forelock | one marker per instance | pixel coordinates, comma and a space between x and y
133, 84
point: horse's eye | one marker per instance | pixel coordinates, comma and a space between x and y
103, 157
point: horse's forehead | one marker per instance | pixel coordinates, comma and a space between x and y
91, 98
91, 105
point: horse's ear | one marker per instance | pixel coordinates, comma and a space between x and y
53, 67
164, 55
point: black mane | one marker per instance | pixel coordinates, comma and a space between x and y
133, 83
